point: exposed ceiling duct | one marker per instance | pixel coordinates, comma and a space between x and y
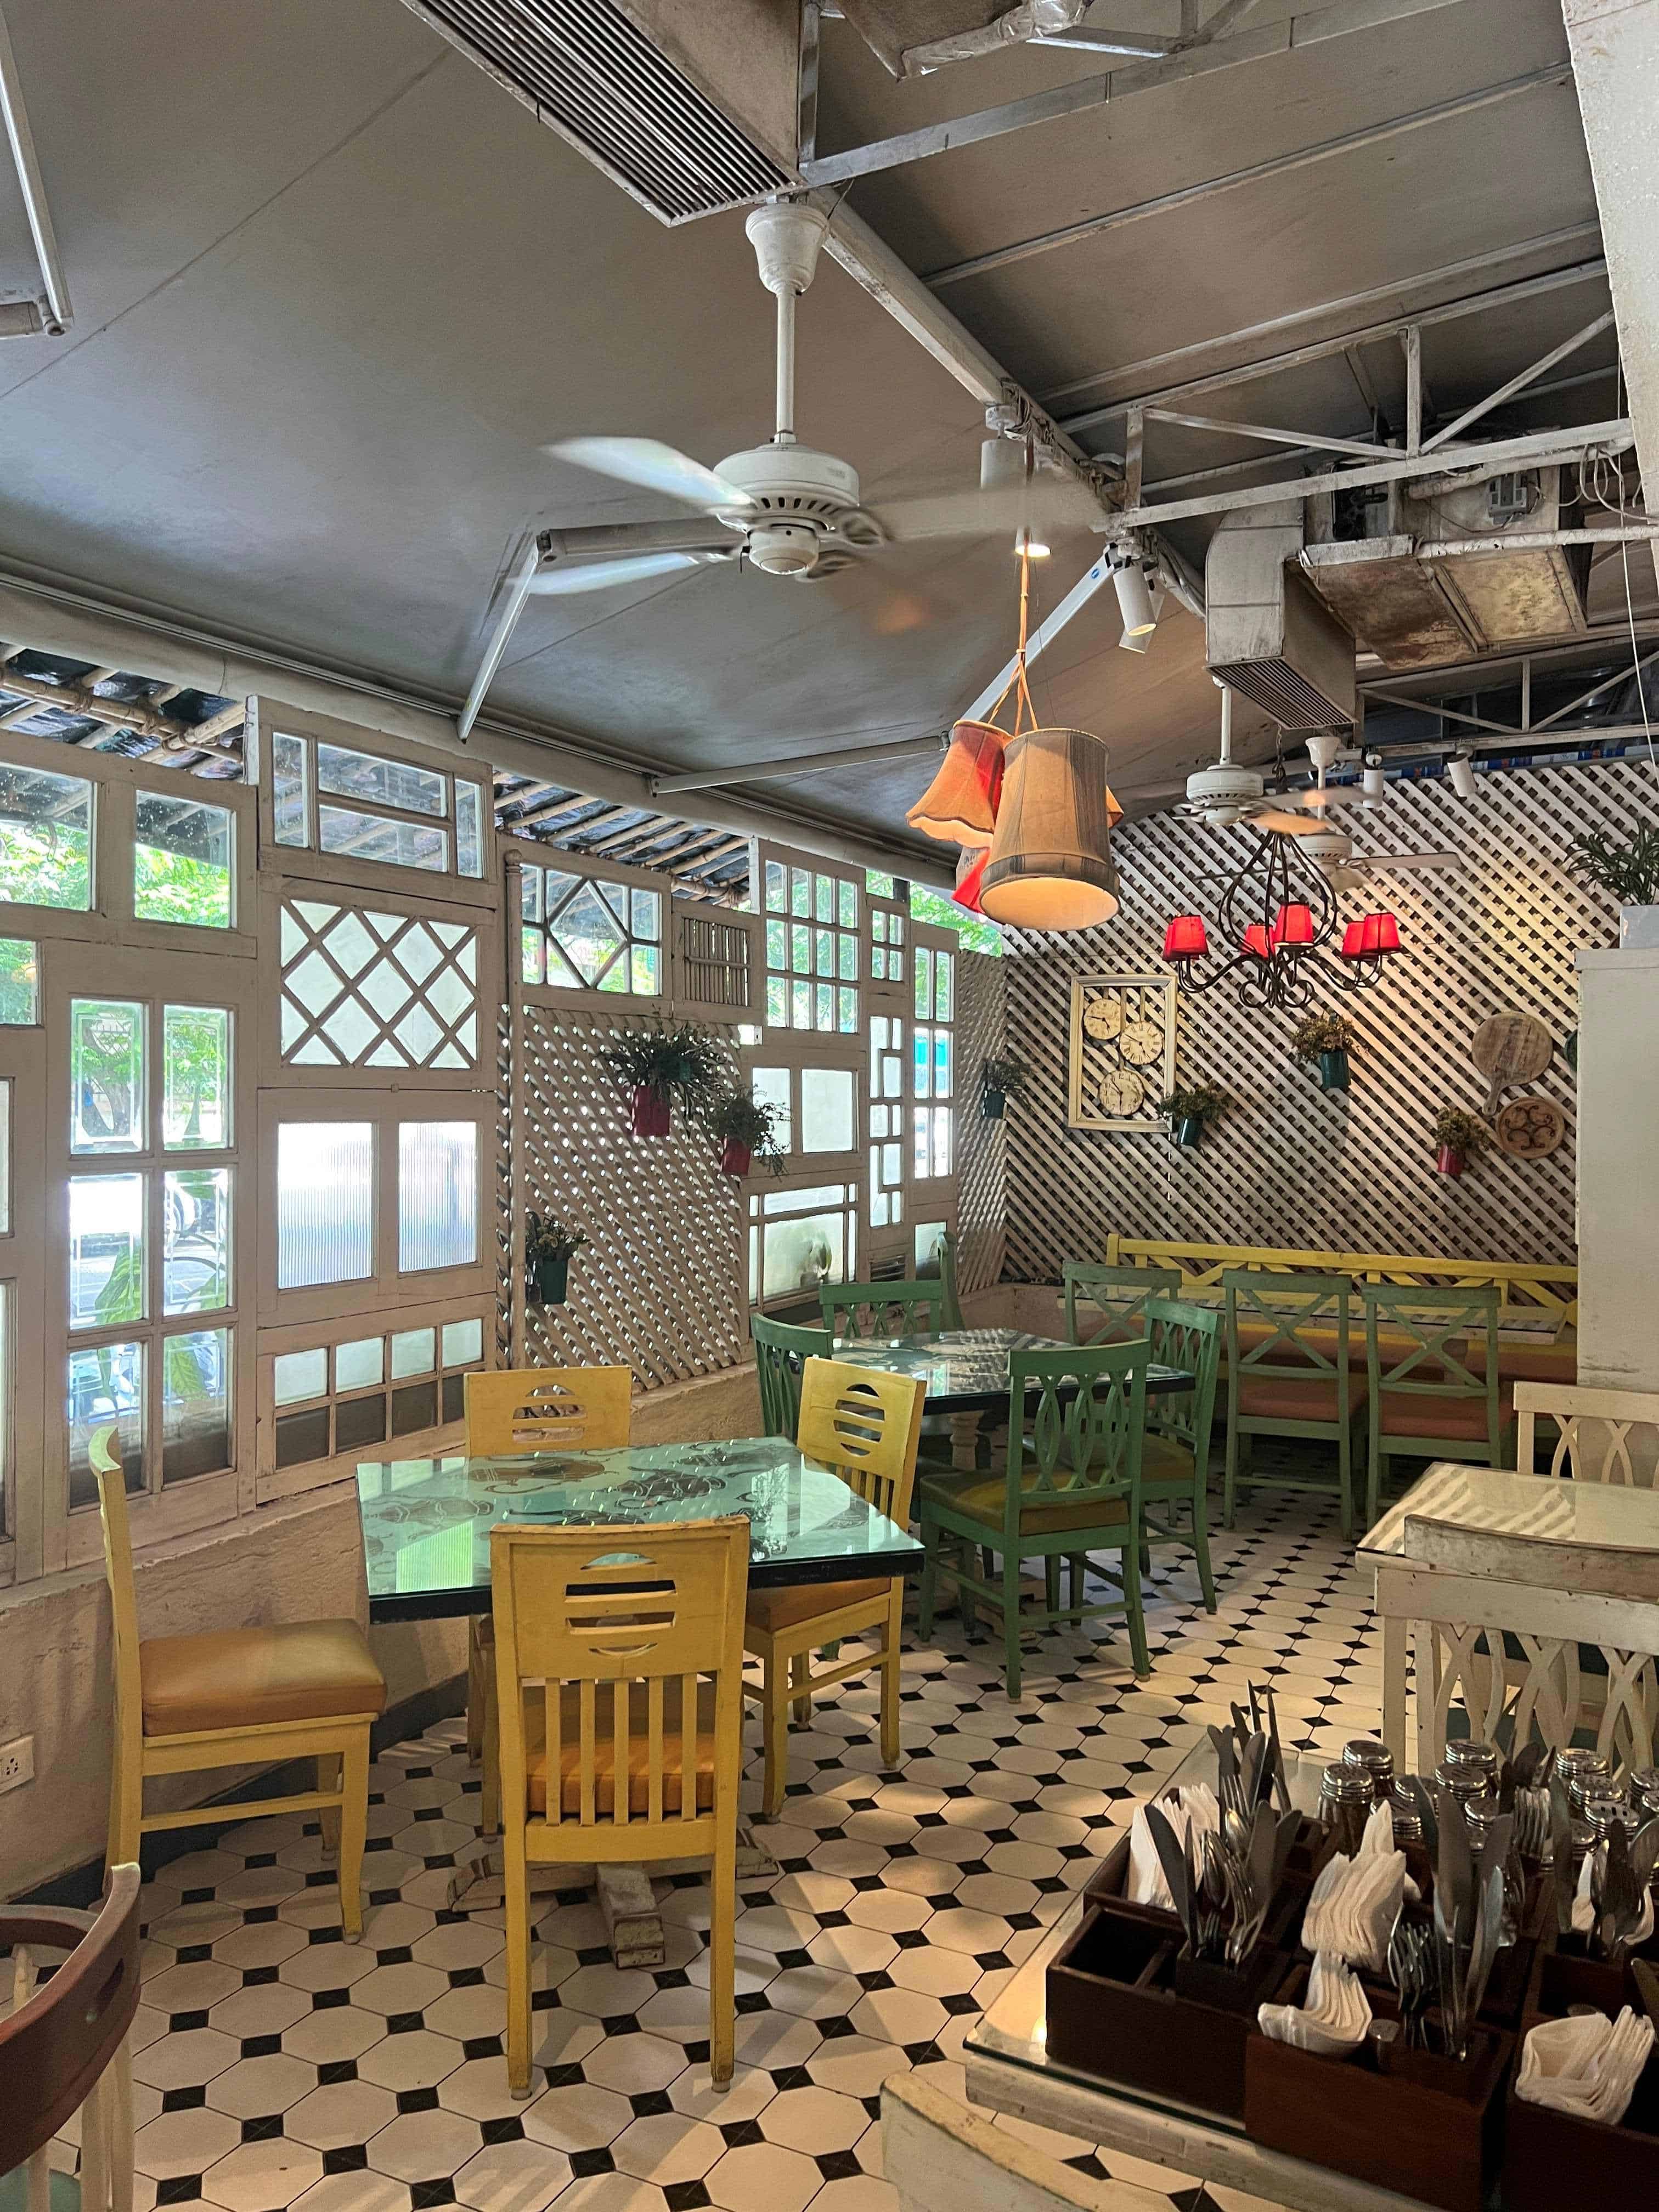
1408, 581
1268, 634
689, 109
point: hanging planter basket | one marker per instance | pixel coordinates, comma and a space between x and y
1187, 1134
1449, 1161
549, 1283
1333, 1070
650, 1116
991, 1105
736, 1159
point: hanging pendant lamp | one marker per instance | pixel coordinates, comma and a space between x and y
1050, 865
960, 804
970, 874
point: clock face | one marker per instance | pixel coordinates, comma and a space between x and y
1121, 1092
1141, 1043
1103, 1017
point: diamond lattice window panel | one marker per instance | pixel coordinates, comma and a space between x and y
365, 988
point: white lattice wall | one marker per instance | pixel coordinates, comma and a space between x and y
1288, 1164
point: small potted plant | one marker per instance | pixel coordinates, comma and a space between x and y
1328, 1039
660, 1065
1459, 1136
745, 1129
1000, 1080
1188, 1111
1629, 868
549, 1248
816, 1260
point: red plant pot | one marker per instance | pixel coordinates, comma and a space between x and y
650, 1112
736, 1159
1449, 1161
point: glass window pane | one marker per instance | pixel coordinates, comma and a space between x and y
777, 1002
942, 1124
195, 1077
5, 1227
826, 952
922, 1062
290, 776
777, 895
360, 1421
437, 1194
801, 1254
20, 981
646, 970
463, 1342
849, 905
828, 1113
826, 898
533, 946
647, 915
800, 891
195, 1404
943, 978
104, 1386
849, 958
929, 1247
302, 1437
181, 864
413, 1408
325, 1203
469, 829
380, 781
359, 1363
107, 1076
375, 837
924, 981
196, 1240
770, 1087
826, 1007
414, 1351
106, 1250
800, 1006
298, 1376
801, 952
45, 838
846, 1017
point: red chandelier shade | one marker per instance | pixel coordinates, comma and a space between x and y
1256, 941
1370, 937
970, 873
1186, 939
1294, 925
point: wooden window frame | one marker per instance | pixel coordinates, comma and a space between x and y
581, 999
764, 855
759, 1189
794, 1051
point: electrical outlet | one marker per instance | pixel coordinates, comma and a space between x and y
17, 1762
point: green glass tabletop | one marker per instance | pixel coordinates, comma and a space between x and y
427, 1521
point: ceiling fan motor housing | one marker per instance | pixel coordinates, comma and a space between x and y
1224, 792
802, 497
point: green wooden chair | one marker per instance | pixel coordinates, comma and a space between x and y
1427, 1400
780, 1350
1121, 1294
947, 1275
877, 1311
1288, 1374
1175, 1460
1072, 1489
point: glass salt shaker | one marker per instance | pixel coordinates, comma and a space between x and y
1345, 1804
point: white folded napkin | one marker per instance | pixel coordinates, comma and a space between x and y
1583, 1908
1194, 1810
1355, 1904
1333, 2021
1587, 2064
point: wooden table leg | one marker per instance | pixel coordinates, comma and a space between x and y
1396, 1644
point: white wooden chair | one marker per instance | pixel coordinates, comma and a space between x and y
1602, 1435
941, 2157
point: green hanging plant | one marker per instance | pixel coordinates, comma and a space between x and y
1627, 866
660, 1065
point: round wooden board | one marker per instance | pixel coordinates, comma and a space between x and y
1509, 1049
1530, 1128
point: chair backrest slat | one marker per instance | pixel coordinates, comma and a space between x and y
1083, 1444
1120, 1294
512, 1410
884, 1310
866, 1426
1187, 1337
1427, 1366
1603, 1436
1290, 1309
781, 1349
103, 1454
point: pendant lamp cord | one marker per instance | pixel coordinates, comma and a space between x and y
1017, 682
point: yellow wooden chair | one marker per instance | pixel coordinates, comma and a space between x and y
615, 1750
235, 1697
509, 1412
866, 1426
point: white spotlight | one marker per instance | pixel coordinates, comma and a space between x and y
1031, 543
1374, 784
1134, 601
1460, 769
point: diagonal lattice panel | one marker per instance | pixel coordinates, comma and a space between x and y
1288, 1165
981, 1195
365, 988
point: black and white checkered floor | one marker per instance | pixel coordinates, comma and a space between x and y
277, 2065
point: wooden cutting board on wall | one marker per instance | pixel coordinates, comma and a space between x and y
1510, 1049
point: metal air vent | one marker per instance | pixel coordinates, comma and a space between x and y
586, 68
1266, 633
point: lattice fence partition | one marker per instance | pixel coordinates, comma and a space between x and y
1288, 1164
981, 1144
661, 1286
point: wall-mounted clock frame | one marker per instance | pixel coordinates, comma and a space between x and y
1142, 1000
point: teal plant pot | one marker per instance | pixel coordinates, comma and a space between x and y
1333, 1070
549, 1282
1187, 1133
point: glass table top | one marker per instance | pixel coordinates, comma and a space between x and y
427, 1521
1543, 1509
966, 1369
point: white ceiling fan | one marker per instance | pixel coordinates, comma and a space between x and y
1227, 793
781, 508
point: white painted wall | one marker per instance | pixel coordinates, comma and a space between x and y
1618, 1173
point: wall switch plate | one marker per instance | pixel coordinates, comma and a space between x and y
17, 1762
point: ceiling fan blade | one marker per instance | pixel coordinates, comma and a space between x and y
1408, 860
652, 466
1318, 798
1288, 825
1047, 503
601, 575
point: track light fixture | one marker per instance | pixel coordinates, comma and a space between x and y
1373, 782
1460, 769
1134, 598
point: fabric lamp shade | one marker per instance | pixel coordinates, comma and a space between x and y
960, 804
1257, 941
1295, 925
1186, 938
1353, 941
1050, 864
970, 874
1381, 933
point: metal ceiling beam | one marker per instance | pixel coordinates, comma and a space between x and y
1538, 450
1310, 27
1488, 300
1281, 165
1519, 382
55, 318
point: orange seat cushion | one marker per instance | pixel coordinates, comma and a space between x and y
637, 1748
1541, 1362
771, 1610
984, 1497
300, 1670
1403, 1414
1282, 1399
1164, 1460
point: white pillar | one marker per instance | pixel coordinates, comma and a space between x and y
1618, 1169
1615, 45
